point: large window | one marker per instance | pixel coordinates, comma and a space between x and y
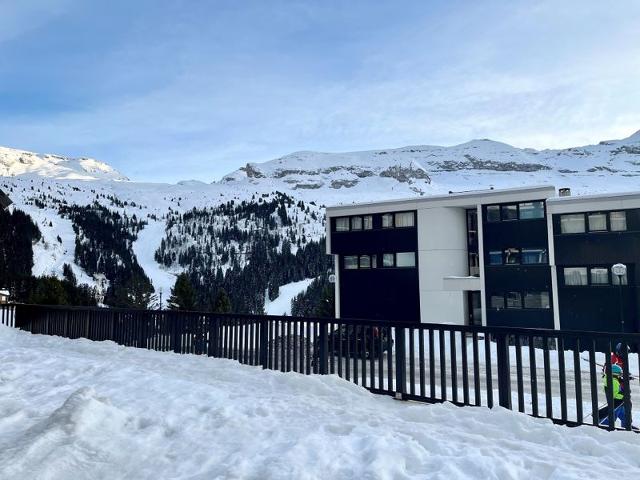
404, 219
599, 276
534, 255
406, 259
536, 300
493, 213
388, 260
495, 257
509, 212
572, 223
575, 276
514, 300
529, 210
365, 261
356, 223
497, 301
342, 224
618, 221
368, 222
597, 222
351, 262
387, 220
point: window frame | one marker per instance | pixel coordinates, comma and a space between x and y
505, 208
348, 224
624, 213
353, 221
531, 202
492, 208
395, 219
584, 223
539, 292
345, 264
385, 256
387, 215
606, 222
506, 300
505, 255
599, 284
367, 219
413, 265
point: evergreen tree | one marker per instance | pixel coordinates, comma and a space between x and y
183, 295
222, 304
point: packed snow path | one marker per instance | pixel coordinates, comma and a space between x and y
80, 409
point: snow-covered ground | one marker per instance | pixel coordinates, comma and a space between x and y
80, 409
282, 304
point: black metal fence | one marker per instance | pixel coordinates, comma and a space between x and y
544, 373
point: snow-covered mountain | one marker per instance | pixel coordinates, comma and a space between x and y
420, 170
41, 184
17, 162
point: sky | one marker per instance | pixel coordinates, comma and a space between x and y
166, 90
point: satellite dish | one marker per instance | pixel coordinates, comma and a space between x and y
332, 278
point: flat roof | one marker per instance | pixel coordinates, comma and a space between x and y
453, 199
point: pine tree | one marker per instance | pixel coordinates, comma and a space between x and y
183, 295
222, 304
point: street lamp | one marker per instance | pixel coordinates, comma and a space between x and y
620, 271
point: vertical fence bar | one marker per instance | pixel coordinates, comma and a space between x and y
489, 379
504, 371
562, 377
533, 375
412, 361
423, 392
432, 367
476, 370
547, 377
401, 364
626, 387
443, 365
323, 357
454, 366
609, 388
577, 380
593, 383
519, 380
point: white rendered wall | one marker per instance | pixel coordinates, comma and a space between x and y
442, 252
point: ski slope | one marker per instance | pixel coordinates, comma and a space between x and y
76, 409
282, 304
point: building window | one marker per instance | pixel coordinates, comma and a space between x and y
573, 223
616, 280
404, 219
388, 260
474, 264
618, 221
534, 255
493, 213
597, 222
351, 262
365, 261
514, 300
406, 259
536, 300
575, 276
529, 210
387, 220
356, 223
511, 256
368, 222
374, 261
497, 301
599, 276
342, 224
509, 212
495, 257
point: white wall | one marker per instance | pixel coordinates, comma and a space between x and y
442, 252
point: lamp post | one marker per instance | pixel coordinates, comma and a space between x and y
620, 271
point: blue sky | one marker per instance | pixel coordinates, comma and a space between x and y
168, 90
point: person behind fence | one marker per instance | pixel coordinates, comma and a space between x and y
618, 397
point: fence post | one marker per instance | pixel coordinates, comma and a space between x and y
66, 322
401, 364
88, 320
264, 343
177, 337
323, 357
214, 327
504, 371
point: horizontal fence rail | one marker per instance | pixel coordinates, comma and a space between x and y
544, 373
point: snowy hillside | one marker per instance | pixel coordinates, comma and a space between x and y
18, 162
423, 170
45, 186
96, 410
